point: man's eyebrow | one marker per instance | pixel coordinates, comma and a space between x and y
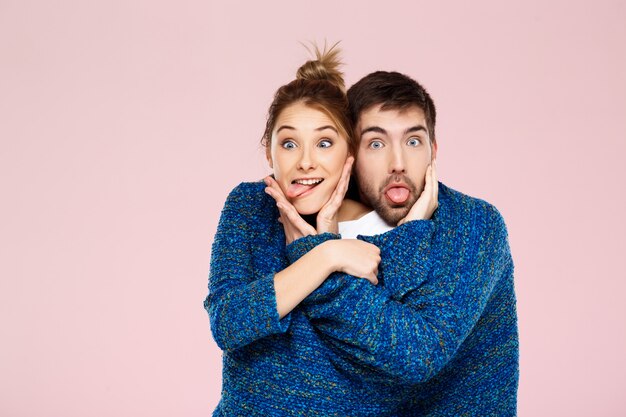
319, 129
375, 129
416, 128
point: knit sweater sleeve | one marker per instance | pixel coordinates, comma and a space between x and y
409, 335
241, 306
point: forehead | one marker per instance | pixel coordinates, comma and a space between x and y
389, 119
302, 117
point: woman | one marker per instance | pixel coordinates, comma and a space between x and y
275, 362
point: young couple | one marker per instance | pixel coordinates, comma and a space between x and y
400, 304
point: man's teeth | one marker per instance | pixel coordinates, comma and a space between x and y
308, 182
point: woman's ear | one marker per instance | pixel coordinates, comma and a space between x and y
268, 156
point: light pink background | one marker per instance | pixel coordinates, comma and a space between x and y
124, 124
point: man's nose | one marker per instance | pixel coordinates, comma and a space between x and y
397, 163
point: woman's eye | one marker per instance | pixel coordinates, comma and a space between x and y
325, 143
288, 144
376, 144
413, 142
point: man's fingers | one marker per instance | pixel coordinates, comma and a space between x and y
434, 189
428, 183
435, 183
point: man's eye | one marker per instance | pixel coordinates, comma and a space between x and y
376, 144
413, 142
325, 143
288, 144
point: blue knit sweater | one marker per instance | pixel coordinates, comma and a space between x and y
436, 337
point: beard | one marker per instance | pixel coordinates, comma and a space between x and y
390, 212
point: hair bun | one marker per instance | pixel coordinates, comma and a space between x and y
324, 67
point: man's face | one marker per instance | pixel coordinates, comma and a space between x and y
394, 153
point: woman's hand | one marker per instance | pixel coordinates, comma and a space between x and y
353, 257
295, 226
327, 216
428, 201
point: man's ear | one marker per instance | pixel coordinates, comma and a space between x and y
433, 147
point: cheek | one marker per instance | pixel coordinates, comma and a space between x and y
283, 163
280, 170
418, 173
334, 161
366, 170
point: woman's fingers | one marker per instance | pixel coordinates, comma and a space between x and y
274, 190
290, 213
371, 278
327, 217
340, 190
344, 181
359, 259
294, 225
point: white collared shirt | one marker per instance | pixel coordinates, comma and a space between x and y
369, 225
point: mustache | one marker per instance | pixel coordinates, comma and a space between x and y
398, 178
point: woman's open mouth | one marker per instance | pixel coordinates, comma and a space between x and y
302, 186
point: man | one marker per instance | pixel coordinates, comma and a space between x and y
441, 324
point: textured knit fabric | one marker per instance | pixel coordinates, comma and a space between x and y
436, 337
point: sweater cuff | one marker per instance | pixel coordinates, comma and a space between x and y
265, 320
404, 248
299, 247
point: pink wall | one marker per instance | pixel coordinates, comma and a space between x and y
123, 124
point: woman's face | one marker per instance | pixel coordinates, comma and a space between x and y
307, 154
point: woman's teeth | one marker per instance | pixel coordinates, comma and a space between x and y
308, 182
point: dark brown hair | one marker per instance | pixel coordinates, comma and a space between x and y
318, 84
394, 91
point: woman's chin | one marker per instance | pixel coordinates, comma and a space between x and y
308, 208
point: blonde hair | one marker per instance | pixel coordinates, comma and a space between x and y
319, 84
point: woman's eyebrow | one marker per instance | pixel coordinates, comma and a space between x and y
326, 127
318, 129
285, 127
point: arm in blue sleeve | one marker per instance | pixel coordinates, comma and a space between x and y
410, 330
241, 306
410, 242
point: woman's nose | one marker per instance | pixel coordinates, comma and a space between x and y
307, 161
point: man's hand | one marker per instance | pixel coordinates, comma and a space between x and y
428, 201
327, 216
